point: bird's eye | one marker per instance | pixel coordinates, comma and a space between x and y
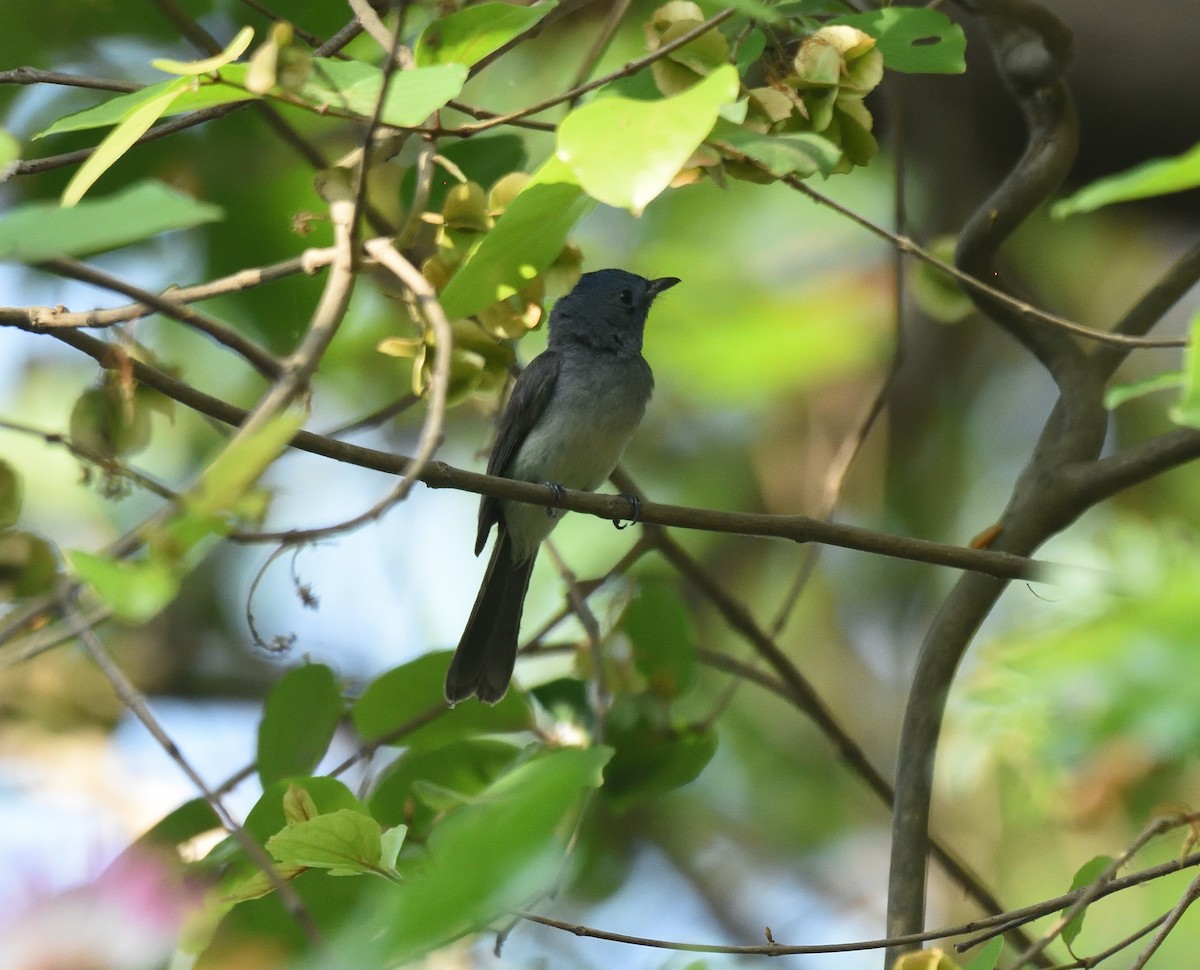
626, 297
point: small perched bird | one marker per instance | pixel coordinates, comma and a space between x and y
571, 413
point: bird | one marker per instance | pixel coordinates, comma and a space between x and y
571, 413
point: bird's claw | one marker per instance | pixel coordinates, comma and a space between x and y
635, 512
556, 496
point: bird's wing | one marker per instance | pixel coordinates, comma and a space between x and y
529, 397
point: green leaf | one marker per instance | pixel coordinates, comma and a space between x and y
190, 819
1114, 397
759, 10
1087, 874
328, 795
914, 40
412, 694
134, 590
37, 231
466, 767
471, 34
10, 151
1187, 409
496, 854
658, 625
751, 50
204, 94
344, 842
10, 495
352, 86
934, 958
120, 140
28, 566
625, 152
299, 718
988, 955
298, 805
237, 47
1162, 176
240, 465
650, 761
524, 242
781, 154
391, 844
484, 160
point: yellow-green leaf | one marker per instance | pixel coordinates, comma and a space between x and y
134, 591
625, 152
239, 466
236, 49
344, 841
120, 140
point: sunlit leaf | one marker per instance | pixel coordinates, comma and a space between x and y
328, 795
804, 153
353, 86
760, 10
1114, 397
135, 590
1162, 176
914, 39
194, 97
299, 719
10, 151
525, 241
239, 466
344, 842
1187, 409
237, 47
625, 152
932, 959
299, 805
43, 230
391, 844
468, 35
120, 140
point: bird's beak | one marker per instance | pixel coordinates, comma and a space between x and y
665, 283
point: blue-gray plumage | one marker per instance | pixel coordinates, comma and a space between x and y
571, 413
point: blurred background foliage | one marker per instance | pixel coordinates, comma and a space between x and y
1075, 718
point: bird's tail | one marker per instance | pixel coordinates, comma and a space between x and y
483, 662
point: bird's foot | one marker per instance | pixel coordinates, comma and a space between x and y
556, 496
635, 512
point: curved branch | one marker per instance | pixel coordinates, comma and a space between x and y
1031, 50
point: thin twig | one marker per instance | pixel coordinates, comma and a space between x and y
1093, 890
43, 317
631, 68
135, 701
912, 248
1173, 917
262, 361
34, 75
